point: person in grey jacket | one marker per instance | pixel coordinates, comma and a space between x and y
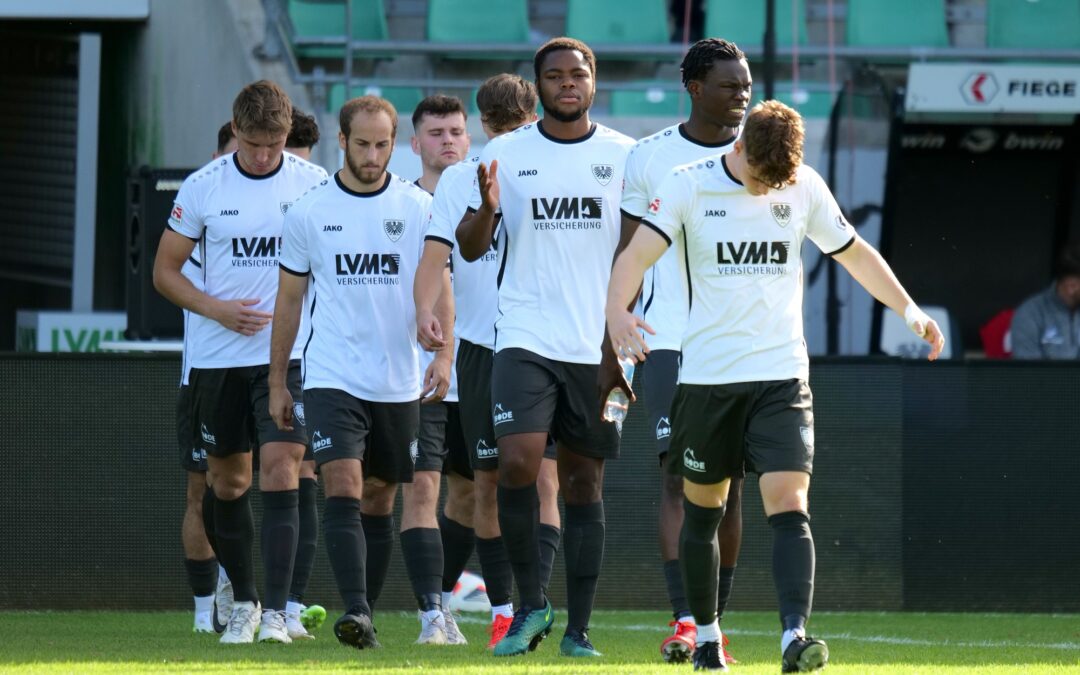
1047, 324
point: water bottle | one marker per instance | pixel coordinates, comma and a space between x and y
617, 401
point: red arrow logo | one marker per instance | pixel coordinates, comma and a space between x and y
976, 88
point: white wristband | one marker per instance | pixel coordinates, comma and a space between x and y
916, 319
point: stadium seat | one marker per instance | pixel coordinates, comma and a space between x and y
655, 102
324, 18
404, 99
888, 23
898, 340
477, 21
817, 104
744, 22
1033, 24
617, 21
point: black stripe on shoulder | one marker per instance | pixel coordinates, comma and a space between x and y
843, 248
627, 214
293, 272
194, 239
432, 237
656, 229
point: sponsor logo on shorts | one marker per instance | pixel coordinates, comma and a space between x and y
414, 450
484, 452
319, 443
499, 415
663, 428
198, 455
807, 434
692, 462
298, 413
208, 437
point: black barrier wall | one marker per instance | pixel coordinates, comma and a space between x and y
936, 487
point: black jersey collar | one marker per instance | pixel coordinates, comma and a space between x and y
682, 132
354, 193
580, 139
723, 162
245, 174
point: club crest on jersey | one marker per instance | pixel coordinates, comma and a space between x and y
285, 207
603, 173
781, 213
393, 228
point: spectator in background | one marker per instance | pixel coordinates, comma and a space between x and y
1047, 325
303, 136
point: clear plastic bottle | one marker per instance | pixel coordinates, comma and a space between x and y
617, 401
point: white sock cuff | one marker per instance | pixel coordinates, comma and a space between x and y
708, 633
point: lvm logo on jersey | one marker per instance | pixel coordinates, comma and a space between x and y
752, 258
567, 213
366, 269
255, 251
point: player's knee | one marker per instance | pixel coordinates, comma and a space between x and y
231, 486
581, 487
378, 499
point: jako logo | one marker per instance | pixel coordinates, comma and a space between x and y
691, 462
208, 437
331, 228
499, 415
319, 443
715, 213
663, 428
752, 252
483, 451
255, 247
566, 208
526, 172
230, 212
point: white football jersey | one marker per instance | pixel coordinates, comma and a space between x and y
476, 290
665, 294
745, 262
361, 250
237, 218
560, 227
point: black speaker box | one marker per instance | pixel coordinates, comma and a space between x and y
149, 200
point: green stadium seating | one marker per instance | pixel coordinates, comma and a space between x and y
817, 105
617, 21
404, 99
895, 23
322, 18
744, 22
656, 102
1038, 24
478, 21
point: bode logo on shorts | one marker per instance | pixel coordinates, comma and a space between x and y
499, 415
691, 462
483, 451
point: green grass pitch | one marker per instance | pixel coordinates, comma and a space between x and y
923, 644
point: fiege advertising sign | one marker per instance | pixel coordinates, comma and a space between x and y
992, 88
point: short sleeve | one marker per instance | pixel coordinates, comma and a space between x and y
670, 204
186, 217
442, 223
635, 194
826, 225
295, 257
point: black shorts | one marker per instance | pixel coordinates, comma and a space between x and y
531, 393
442, 445
764, 426
474, 364
381, 435
192, 457
231, 409
659, 375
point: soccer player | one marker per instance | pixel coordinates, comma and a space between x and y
431, 542
303, 136
200, 560
505, 103
742, 395
233, 209
355, 240
717, 77
557, 183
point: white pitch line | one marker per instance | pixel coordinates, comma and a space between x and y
879, 639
